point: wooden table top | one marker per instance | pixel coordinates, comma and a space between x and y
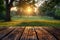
29, 33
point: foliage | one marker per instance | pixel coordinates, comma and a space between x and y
48, 8
2, 10
57, 12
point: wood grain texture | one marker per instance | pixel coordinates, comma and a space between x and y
15, 34
30, 33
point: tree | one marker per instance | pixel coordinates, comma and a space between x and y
57, 12
48, 7
8, 7
2, 10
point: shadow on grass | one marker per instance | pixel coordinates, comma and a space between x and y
36, 23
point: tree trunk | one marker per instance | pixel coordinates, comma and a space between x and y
8, 17
8, 6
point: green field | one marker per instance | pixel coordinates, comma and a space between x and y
32, 18
32, 21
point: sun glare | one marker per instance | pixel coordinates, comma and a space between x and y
29, 10
13, 9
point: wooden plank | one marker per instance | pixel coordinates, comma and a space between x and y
5, 32
54, 31
43, 34
15, 34
29, 34
3, 28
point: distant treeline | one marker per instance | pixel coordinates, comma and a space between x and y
51, 9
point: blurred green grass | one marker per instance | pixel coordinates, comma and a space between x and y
31, 21
40, 23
